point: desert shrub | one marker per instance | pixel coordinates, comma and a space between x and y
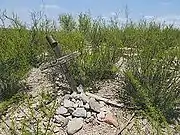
152, 73
92, 39
152, 76
21, 49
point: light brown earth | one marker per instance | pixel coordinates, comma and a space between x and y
37, 81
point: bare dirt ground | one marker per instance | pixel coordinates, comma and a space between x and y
37, 81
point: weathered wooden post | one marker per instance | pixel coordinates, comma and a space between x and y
54, 46
62, 61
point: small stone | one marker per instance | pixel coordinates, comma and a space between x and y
95, 122
94, 114
71, 110
68, 103
56, 130
102, 104
84, 98
79, 112
70, 117
77, 97
80, 103
61, 110
60, 76
74, 95
60, 120
89, 120
74, 125
86, 106
105, 109
111, 119
144, 122
57, 82
20, 116
101, 116
80, 89
57, 117
94, 105
61, 103
35, 105
75, 105
65, 122
57, 87
67, 96
59, 94
88, 114
73, 100
18, 119
66, 114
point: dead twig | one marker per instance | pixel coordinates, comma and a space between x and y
129, 121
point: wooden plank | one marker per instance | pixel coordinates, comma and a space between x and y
105, 100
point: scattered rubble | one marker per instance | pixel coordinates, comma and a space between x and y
77, 113
82, 108
74, 111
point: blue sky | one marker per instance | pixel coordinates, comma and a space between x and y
161, 10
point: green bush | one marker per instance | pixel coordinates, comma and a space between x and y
21, 49
97, 42
152, 76
152, 73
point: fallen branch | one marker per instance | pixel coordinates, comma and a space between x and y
129, 121
105, 100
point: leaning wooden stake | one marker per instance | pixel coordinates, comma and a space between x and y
55, 46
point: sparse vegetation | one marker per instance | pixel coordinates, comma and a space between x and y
152, 75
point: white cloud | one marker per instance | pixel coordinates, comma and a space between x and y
149, 17
49, 6
113, 14
164, 19
52, 11
169, 19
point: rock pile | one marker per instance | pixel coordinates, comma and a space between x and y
77, 108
